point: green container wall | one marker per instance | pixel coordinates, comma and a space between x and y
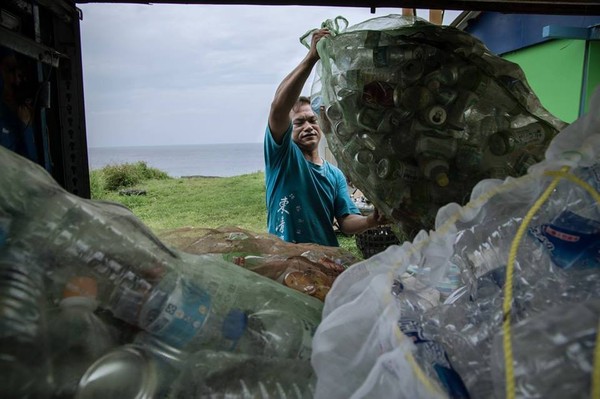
593, 69
554, 71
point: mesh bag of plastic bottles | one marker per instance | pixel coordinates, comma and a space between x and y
308, 268
501, 299
416, 114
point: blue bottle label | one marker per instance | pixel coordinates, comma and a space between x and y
433, 354
176, 316
572, 240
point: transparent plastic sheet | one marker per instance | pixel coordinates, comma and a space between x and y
416, 114
464, 259
186, 302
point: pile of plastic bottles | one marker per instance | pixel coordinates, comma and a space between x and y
92, 304
416, 114
502, 299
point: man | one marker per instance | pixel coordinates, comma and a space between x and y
304, 192
16, 130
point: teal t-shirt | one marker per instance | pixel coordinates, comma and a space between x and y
303, 198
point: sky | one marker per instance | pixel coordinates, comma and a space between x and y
193, 74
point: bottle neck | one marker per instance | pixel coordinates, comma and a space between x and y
79, 301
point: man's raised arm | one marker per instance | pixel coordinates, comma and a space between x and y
290, 88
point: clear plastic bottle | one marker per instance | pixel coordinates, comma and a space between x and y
389, 169
434, 116
370, 117
221, 315
553, 353
145, 368
214, 374
385, 56
429, 354
24, 370
436, 147
435, 169
183, 299
505, 142
77, 337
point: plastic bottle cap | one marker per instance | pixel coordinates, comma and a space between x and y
500, 143
81, 286
234, 324
436, 115
442, 179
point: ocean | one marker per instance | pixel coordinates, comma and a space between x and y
220, 160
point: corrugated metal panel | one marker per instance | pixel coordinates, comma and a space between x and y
503, 33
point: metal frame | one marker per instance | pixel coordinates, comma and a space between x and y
566, 7
57, 43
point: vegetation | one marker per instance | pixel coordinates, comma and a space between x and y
199, 201
114, 177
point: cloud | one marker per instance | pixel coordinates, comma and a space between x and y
179, 74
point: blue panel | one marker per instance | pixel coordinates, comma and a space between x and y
503, 33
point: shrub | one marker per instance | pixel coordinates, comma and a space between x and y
149, 173
128, 175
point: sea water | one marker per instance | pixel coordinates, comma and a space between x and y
186, 160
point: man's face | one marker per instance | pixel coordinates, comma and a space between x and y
306, 132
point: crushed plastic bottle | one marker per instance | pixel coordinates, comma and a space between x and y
77, 337
553, 352
24, 366
189, 301
429, 353
213, 374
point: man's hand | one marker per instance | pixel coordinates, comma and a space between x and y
377, 219
316, 36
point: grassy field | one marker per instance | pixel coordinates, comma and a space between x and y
197, 202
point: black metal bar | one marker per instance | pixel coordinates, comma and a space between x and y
73, 152
28, 47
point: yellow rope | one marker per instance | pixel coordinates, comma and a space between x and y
419, 373
569, 176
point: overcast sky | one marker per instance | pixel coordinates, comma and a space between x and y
192, 74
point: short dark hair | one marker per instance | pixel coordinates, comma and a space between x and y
301, 101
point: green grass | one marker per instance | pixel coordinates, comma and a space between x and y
197, 202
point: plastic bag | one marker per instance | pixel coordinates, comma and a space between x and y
416, 114
184, 301
431, 314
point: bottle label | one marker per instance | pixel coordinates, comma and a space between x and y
573, 240
432, 354
178, 317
